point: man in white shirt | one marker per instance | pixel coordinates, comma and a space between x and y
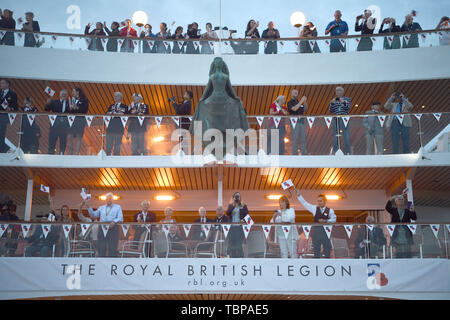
112, 213
322, 214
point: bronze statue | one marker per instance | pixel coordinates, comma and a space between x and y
219, 107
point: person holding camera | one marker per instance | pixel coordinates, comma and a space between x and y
286, 215
162, 35
178, 36
193, 32
395, 43
237, 210
147, 33
209, 35
366, 27
95, 44
135, 128
374, 130
340, 105
398, 104
443, 24
337, 27
410, 25
309, 31
271, 33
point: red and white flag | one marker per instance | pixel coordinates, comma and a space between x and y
45, 188
107, 120
104, 40
206, 228
370, 227
211, 44
124, 121
89, 120
226, 43
306, 230
158, 121
342, 41
246, 230
71, 39
45, 229
66, 229
382, 119
141, 119
5, 104
328, 230
187, 229
123, 23
180, 44
248, 220
196, 44
31, 118
287, 184
166, 228
297, 43
120, 41
3, 228
357, 40
406, 38
418, 116
399, 118
348, 228
312, 43
25, 229
52, 119
310, 121
71, 119
277, 121
226, 229
390, 228
424, 36
12, 117
51, 217
84, 228
390, 40
266, 228
105, 229
136, 43
282, 43
166, 44
374, 39
20, 21
176, 120
294, 121
125, 228
286, 230
413, 228
19, 36
36, 36
54, 38
151, 44
437, 116
346, 120
328, 121
435, 229
260, 121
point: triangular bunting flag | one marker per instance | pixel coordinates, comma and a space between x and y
45, 188
37, 36
266, 228
226, 229
294, 121
327, 42
166, 228
282, 43
448, 227
399, 118
120, 41
180, 44
206, 228
357, 40
5, 104
246, 230
54, 38
158, 121
141, 119
11, 117
435, 229
418, 116
343, 42
286, 230
328, 230
382, 119
312, 43
310, 121
136, 43
348, 228
260, 121
187, 229
52, 119
166, 44
31, 118
89, 120
176, 120
151, 44
297, 43
107, 120
328, 121
25, 229
71, 119
20, 21
105, 229
287, 184
226, 43
124, 121
2, 34
104, 40
346, 120
370, 227
406, 38
125, 228
390, 40
19, 36
390, 228
424, 36
437, 116
413, 228
66, 229
276, 120
3, 228
190, 119
373, 39
84, 228
45, 229
306, 230
211, 44
248, 220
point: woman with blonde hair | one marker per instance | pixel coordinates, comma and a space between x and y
286, 215
277, 108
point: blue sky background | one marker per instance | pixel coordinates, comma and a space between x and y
52, 15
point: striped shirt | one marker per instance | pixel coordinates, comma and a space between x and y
340, 107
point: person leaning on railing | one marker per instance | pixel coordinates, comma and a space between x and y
309, 31
8, 102
162, 35
402, 238
192, 33
271, 33
248, 47
337, 27
30, 26
95, 44
7, 22
147, 33
178, 36
395, 43
366, 27
409, 25
111, 45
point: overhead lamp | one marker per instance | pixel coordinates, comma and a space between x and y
158, 139
140, 18
333, 197
274, 196
164, 197
298, 19
103, 197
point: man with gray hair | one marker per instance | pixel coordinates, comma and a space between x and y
340, 105
147, 217
60, 127
197, 231
112, 213
298, 108
115, 129
136, 128
370, 240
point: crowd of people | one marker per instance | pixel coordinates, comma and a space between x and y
368, 242
164, 41
78, 106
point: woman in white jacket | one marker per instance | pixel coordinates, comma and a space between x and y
286, 215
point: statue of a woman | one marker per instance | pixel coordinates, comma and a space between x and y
219, 107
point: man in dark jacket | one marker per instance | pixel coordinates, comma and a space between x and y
8, 102
370, 240
60, 127
40, 243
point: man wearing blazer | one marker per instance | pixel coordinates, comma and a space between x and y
197, 231
143, 216
399, 104
60, 127
8, 102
